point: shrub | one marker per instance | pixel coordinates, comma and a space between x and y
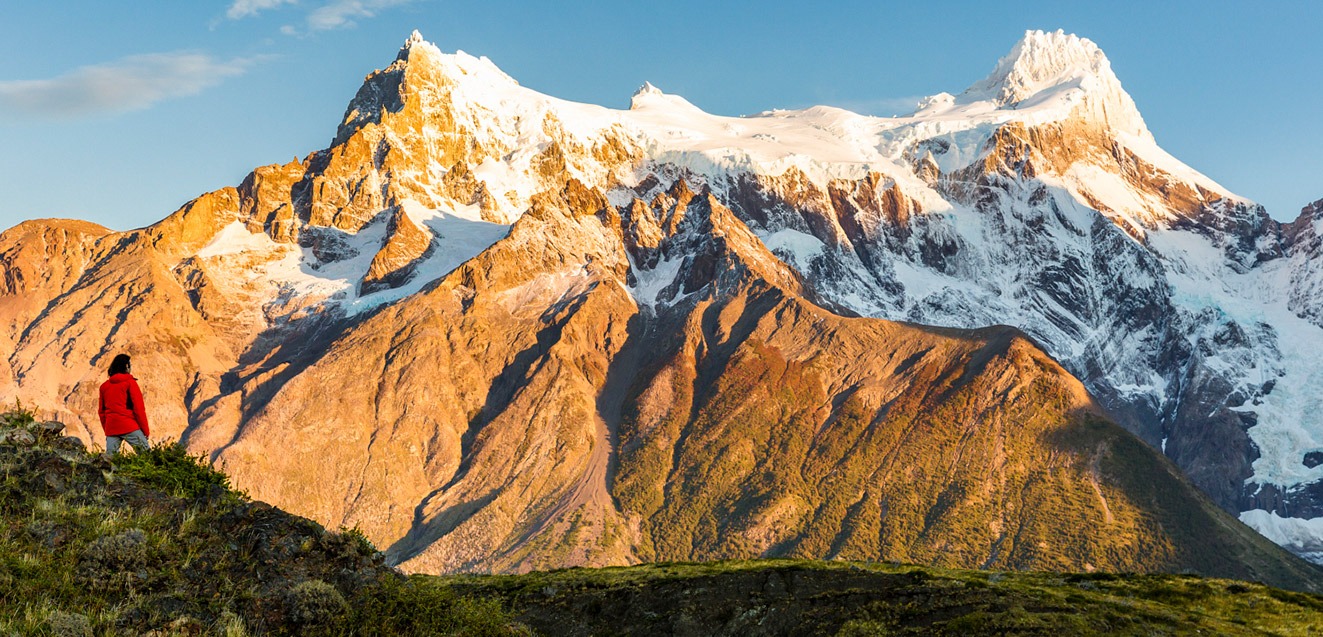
313, 602
126, 550
358, 541
18, 416
421, 606
170, 468
64, 624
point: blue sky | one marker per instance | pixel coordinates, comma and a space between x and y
120, 112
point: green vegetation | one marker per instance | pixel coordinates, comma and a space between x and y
843, 598
158, 543
170, 468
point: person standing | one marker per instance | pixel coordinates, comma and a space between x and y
123, 414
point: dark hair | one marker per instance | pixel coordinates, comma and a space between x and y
120, 365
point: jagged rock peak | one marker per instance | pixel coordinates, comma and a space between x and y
1313, 210
416, 40
420, 68
457, 66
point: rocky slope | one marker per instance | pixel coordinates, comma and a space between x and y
500, 331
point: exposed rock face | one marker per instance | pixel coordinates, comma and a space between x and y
1305, 238
499, 331
38, 260
406, 244
267, 199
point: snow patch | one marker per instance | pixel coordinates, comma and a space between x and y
235, 238
290, 277
649, 284
801, 247
458, 235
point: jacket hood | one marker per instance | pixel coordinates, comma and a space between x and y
121, 378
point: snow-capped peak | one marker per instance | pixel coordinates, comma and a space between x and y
1041, 61
935, 103
647, 89
649, 96
456, 66
1051, 69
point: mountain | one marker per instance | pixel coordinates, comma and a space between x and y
1187, 311
500, 331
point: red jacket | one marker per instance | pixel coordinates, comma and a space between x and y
121, 409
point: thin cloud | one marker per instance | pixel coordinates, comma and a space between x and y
343, 14
248, 8
130, 84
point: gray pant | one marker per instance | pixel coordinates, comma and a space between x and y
134, 438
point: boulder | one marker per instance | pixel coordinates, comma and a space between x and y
22, 438
70, 443
49, 429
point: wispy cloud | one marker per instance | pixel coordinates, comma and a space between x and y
343, 14
241, 9
129, 84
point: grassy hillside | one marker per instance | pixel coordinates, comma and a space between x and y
160, 544
796, 597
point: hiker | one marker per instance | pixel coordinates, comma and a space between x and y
123, 415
